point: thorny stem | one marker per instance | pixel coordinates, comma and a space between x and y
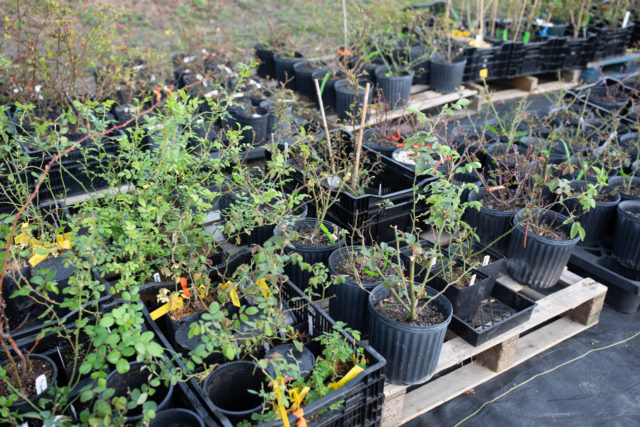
356, 168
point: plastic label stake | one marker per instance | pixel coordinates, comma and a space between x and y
527, 35
485, 260
185, 290
157, 278
41, 384
484, 73
625, 21
353, 372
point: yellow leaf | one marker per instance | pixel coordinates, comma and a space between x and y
234, 298
264, 288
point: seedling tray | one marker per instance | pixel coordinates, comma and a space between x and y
623, 284
503, 310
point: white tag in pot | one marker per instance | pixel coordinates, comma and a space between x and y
486, 260
41, 383
333, 181
156, 277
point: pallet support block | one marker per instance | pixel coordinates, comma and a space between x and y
589, 312
500, 357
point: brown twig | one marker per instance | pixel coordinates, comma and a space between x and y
356, 168
326, 127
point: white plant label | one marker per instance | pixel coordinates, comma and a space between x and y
156, 277
310, 321
625, 21
333, 181
266, 347
41, 383
473, 280
486, 260
60, 355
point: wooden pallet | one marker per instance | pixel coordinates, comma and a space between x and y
521, 87
565, 313
420, 98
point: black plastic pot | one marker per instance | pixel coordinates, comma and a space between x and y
395, 89
328, 92
595, 93
539, 262
350, 303
258, 124
346, 98
304, 80
310, 254
304, 360
557, 28
371, 138
284, 70
228, 389
626, 245
465, 301
135, 378
266, 66
23, 406
411, 352
489, 223
596, 220
496, 150
176, 417
446, 77
617, 181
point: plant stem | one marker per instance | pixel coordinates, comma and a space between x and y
326, 127
356, 168
344, 23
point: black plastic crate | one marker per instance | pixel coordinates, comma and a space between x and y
358, 403
610, 42
576, 53
503, 310
598, 263
479, 59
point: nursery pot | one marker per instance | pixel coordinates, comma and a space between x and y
284, 69
555, 28
446, 77
346, 103
228, 389
329, 92
596, 94
617, 181
350, 303
465, 301
176, 417
626, 245
371, 138
596, 220
489, 223
135, 378
305, 360
411, 352
541, 262
23, 406
394, 88
266, 67
310, 254
257, 122
304, 80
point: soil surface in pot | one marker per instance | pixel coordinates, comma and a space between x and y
308, 238
634, 214
458, 277
547, 230
633, 191
247, 107
386, 139
345, 267
38, 367
502, 202
428, 314
611, 97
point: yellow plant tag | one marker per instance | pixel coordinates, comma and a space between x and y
353, 372
264, 288
484, 73
297, 396
159, 312
225, 285
175, 302
234, 298
37, 259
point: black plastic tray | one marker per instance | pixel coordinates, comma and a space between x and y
503, 310
359, 403
598, 263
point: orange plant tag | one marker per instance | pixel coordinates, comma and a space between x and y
185, 290
300, 414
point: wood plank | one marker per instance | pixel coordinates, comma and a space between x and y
418, 88
525, 83
517, 93
447, 387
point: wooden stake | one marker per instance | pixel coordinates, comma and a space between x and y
326, 127
356, 168
344, 23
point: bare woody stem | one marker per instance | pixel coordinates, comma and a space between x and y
326, 127
356, 167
